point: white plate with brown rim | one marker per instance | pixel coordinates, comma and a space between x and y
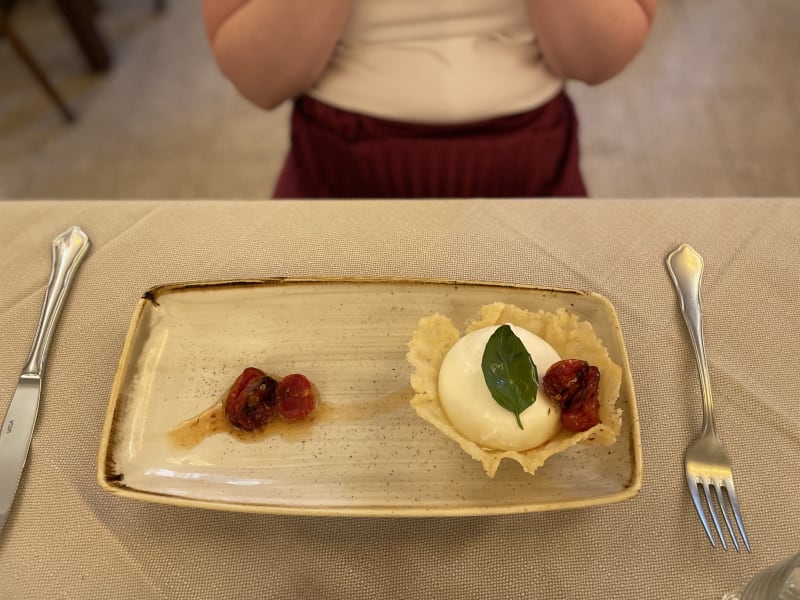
364, 452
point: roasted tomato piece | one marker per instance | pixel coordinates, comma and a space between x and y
580, 417
296, 397
574, 385
251, 402
563, 380
582, 413
242, 380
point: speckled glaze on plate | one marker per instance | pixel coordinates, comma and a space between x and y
366, 453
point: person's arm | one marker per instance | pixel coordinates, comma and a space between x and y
273, 50
590, 40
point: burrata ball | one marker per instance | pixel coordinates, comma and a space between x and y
473, 411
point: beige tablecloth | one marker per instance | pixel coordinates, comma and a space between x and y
65, 538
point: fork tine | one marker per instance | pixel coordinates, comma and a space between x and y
722, 503
737, 514
713, 511
695, 494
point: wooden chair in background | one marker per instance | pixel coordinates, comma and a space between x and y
24, 54
79, 15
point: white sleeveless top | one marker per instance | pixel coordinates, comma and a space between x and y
437, 61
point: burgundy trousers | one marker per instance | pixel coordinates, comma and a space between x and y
339, 154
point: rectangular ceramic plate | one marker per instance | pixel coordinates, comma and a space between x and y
367, 453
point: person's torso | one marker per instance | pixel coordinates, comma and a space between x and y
437, 61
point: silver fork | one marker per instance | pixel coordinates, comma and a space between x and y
706, 463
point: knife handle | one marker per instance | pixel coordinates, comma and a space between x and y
69, 248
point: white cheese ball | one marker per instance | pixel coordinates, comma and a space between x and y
472, 410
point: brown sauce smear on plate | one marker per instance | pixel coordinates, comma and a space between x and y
213, 421
192, 431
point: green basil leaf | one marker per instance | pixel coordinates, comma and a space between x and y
510, 372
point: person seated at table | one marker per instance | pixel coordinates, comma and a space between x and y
426, 98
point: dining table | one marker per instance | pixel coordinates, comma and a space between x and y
68, 536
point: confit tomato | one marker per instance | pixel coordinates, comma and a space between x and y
296, 397
251, 401
574, 385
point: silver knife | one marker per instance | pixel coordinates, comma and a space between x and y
69, 248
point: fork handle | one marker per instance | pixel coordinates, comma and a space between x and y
685, 266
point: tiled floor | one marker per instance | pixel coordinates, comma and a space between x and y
710, 108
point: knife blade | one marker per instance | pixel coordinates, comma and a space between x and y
68, 251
